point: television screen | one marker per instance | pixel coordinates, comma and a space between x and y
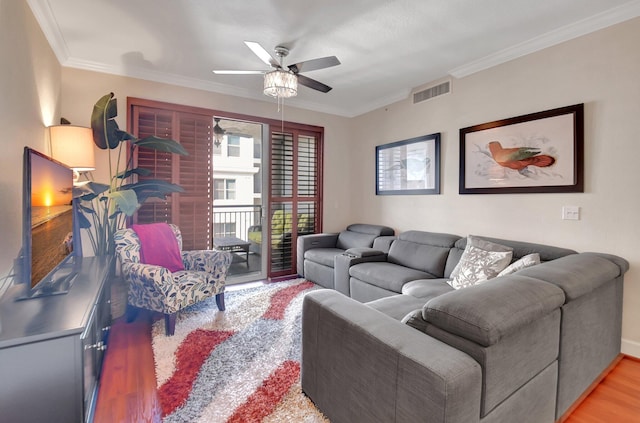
48, 226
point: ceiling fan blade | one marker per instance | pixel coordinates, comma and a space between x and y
263, 54
239, 72
314, 64
313, 84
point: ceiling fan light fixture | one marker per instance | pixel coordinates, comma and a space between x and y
280, 84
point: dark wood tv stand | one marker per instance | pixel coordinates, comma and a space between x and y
51, 348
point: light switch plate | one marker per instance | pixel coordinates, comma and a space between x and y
570, 213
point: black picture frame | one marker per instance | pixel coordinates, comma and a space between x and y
540, 152
409, 167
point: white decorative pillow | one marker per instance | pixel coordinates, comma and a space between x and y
526, 261
481, 260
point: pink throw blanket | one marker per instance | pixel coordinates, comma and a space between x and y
159, 246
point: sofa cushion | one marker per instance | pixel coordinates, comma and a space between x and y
482, 260
386, 275
255, 235
349, 239
324, 256
526, 261
426, 289
281, 222
397, 306
424, 251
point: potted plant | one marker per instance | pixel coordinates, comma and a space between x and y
103, 208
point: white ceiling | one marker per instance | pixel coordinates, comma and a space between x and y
387, 47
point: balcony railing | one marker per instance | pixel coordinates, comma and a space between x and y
235, 220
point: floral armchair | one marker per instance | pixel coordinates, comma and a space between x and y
156, 288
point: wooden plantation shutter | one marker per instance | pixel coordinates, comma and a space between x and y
196, 202
294, 195
159, 123
190, 210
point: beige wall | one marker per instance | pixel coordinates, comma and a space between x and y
601, 70
29, 102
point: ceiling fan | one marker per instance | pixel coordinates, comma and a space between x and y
283, 82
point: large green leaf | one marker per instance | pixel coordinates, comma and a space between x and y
156, 188
86, 209
83, 221
152, 185
106, 133
138, 171
161, 144
89, 191
126, 200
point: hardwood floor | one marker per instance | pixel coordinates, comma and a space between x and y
616, 399
127, 390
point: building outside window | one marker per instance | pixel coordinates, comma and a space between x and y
233, 146
224, 189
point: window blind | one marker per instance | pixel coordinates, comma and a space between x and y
191, 209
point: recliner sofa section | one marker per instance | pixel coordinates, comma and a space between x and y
316, 252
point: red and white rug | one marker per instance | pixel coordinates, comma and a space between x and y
240, 365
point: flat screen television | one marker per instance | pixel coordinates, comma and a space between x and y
48, 226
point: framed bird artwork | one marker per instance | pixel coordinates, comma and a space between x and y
535, 153
409, 167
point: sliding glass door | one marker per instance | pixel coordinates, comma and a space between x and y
237, 197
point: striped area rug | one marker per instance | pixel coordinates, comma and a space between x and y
240, 365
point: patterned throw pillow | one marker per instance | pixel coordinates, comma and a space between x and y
481, 260
526, 261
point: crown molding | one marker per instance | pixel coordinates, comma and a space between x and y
594, 23
199, 84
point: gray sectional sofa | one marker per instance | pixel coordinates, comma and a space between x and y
516, 348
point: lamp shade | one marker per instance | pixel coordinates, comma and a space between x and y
280, 83
73, 146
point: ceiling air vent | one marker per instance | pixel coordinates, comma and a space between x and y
431, 92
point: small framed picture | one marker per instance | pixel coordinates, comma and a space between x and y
409, 167
535, 153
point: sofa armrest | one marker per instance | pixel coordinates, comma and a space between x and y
215, 262
307, 242
342, 263
360, 365
363, 252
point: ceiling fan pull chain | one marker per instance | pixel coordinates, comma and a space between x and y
282, 116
